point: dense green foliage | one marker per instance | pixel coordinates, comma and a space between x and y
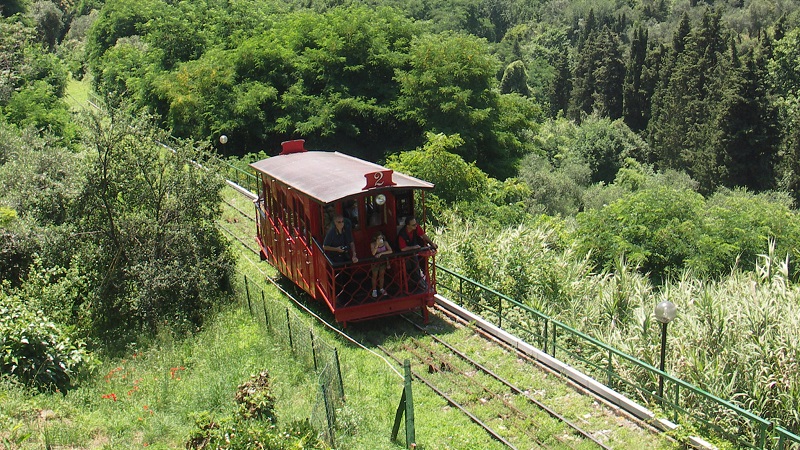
461, 185
36, 351
104, 241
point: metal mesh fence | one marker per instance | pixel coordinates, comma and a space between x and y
309, 350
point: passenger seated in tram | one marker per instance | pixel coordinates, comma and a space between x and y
338, 243
412, 237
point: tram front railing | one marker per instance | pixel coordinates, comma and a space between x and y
351, 284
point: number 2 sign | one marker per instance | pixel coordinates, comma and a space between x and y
378, 179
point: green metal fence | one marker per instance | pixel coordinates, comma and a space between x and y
614, 368
309, 350
243, 177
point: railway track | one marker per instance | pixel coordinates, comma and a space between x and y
511, 412
507, 412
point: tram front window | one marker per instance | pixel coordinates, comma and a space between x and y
376, 213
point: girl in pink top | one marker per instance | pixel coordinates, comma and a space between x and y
379, 247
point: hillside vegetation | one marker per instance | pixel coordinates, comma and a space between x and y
588, 156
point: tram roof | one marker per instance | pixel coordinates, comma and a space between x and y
329, 176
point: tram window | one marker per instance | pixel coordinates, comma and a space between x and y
350, 211
404, 205
376, 213
327, 217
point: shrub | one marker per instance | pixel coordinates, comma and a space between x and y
36, 351
255, 399
253, 426
738, 227
656, 229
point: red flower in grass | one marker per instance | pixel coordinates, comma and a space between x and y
111, 396
173, 371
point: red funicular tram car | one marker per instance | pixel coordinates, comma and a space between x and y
300, 193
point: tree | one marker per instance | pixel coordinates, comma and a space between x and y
747, 135
49, 22
38, 107
656, 229
609, 75
449, 88
119, 19
598, 77
175, 36
562, 86
515, 79
635, 98
455, 179
152, 250
680, 131
784, 67
605, 144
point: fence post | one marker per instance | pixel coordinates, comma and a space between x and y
499, 311
266, 316
289, 328
313, 350
546, 342
406, 406
247, 290
339, 373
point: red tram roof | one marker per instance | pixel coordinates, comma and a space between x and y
328, 176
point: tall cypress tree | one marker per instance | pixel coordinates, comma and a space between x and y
562, 86
598, 78
609, 75
747, 136
635, 100
583, 81
679, 131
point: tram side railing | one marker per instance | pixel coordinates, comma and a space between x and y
350, 284
616, 369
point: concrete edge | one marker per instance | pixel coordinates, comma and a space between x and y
241, 190
697, 442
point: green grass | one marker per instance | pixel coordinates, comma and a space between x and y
77, 93
149, 397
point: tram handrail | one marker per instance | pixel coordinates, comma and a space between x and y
554, 335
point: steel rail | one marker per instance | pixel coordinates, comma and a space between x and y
511, 386
468, 379
235, 236
244, 214
452, 402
